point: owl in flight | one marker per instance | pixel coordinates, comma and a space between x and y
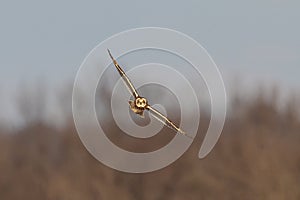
140, 104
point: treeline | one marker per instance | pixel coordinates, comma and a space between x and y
257, 157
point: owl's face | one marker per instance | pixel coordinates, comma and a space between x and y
140, 102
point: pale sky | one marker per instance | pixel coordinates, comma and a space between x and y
50, 39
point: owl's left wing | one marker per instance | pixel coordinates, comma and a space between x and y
159, 116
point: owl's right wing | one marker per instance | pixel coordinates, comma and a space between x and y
125, 78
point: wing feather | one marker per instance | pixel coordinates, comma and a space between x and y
125, 78
159, 116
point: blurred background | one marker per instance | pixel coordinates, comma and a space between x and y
256, 47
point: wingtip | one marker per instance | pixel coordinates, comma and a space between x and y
114, 61
109, 53
185, 134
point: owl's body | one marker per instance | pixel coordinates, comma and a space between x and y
138, 106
